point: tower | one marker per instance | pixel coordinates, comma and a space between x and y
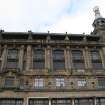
99, 23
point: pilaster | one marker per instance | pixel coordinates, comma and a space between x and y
4, 58
48, 58
29, 57
87, 59
21, 56
68, 58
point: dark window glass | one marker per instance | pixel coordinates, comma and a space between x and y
9, 82
97, 65
61, 102
11, 101
96, 59
58, 60
38, 65
101, 82
77, 55
58, 65
95, 55
12, 64
38, 102
38, 59
77, 59
12, 53
83, 102
100, 101
78, 65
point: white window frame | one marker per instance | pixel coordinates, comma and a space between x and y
38, 83
60, 82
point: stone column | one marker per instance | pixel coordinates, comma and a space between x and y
21, 57
72, 101
49, 101
48, 58
4, 58
25, 102
94, 101
29, 57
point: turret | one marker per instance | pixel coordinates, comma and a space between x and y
99, 22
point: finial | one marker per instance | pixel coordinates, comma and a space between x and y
97, 12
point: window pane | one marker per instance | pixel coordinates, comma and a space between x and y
9, 82
77, 55
58, 55
100, 101
12, 53
83, 102
11, 102
60, 82
97, 65
77, 59
78, 65
38, 54
81, 83
38, 64
101, 82
61, 102
12, 64
38, 102
58, 60
58, 65
39, 83
38, 59
95, 55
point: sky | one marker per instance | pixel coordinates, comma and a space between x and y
56, 16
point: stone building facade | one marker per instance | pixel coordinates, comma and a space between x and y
53, 68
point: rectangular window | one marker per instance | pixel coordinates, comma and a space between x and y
77, 59
12, 53
38, 59
58, 60
101, 82
38, 101
12, 64
39, 83
81, 83
100, 101
9, 82
60, 82
96, 59
61, 102
83, 102
11, 101
12, 59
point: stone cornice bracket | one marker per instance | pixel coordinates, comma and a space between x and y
30, 35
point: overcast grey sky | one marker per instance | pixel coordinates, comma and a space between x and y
73, 16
